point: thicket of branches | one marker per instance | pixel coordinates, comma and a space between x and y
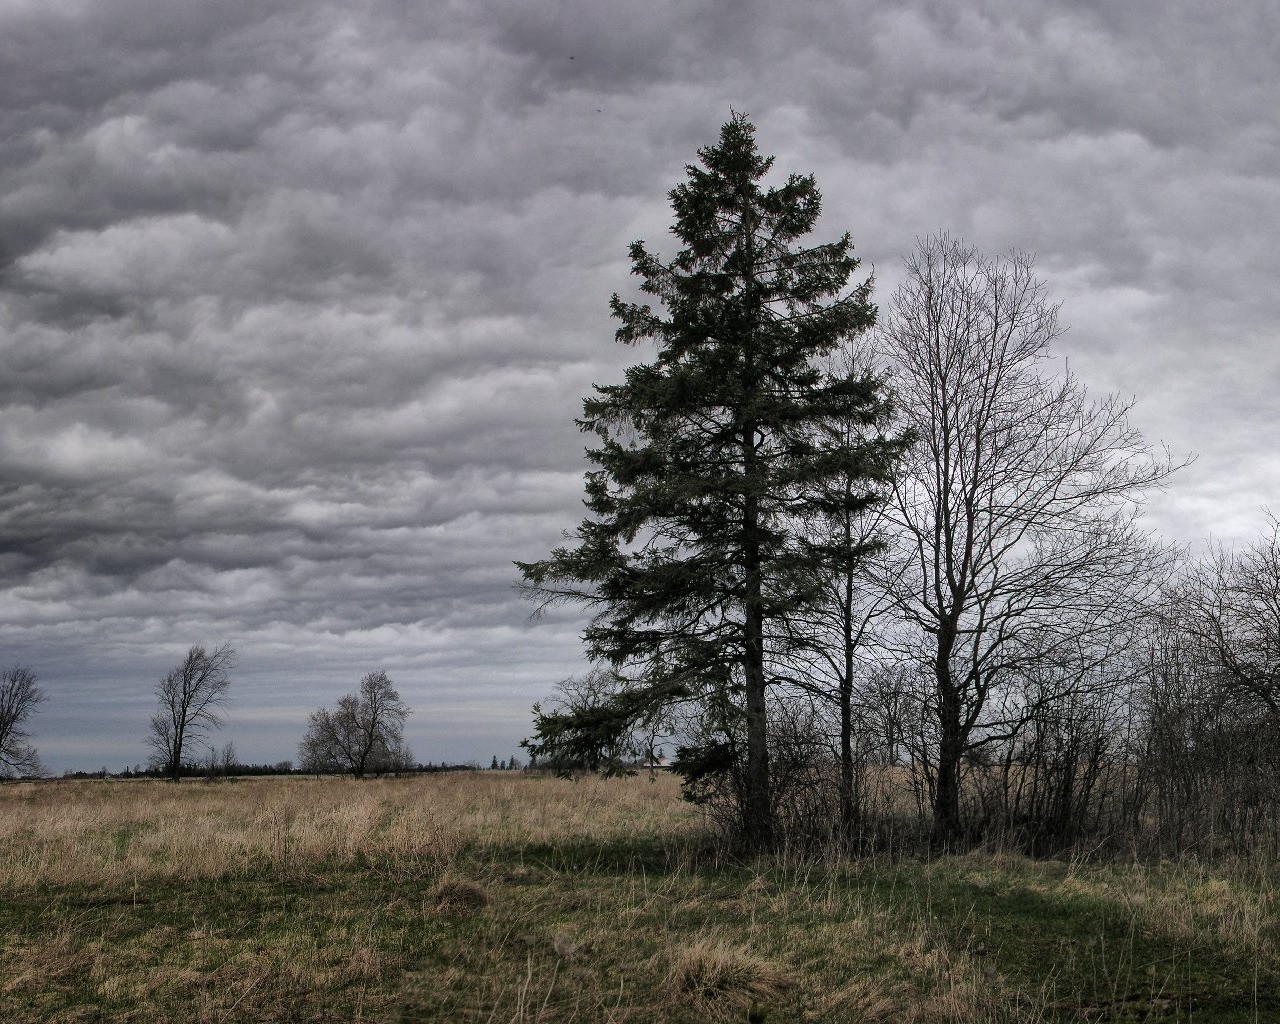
977, 642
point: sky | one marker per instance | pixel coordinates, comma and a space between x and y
299, 298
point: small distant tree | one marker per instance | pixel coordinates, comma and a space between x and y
192, 697
220, 760
19, 696
362, 735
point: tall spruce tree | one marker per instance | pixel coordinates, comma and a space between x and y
693, 556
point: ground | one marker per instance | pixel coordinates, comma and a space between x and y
508, 898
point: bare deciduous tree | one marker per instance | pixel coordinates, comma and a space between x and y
192, 697
1232, 606
363, 734
837, 649
841, 634
19, 696
1016, 505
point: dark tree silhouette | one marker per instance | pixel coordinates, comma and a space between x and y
192, 697
19, 696
363, 734
1016, 506
692, 559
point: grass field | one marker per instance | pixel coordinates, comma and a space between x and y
503, 898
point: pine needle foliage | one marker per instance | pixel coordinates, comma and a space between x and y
710, 456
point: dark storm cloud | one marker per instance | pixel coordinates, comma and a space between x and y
298, 299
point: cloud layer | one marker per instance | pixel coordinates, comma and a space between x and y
298, 299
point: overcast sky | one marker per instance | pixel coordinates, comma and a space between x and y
299, 298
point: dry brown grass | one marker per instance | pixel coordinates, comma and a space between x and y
317, 885
1190, 901
723, 980
131, 832
493, 898
459, 896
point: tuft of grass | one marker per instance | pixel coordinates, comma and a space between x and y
459, 896
723, 980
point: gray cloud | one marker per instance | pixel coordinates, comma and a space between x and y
298, 299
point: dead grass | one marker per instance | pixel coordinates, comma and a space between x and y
497, 898
127, 832
459, 896
724, 981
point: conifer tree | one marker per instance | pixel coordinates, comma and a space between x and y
693, 556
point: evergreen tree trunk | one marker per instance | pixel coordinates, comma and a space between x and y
758, 812
758, 799
759, 802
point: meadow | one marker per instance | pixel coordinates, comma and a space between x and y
512, 898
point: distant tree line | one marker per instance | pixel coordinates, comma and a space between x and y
879, 576
363, 735
249, 770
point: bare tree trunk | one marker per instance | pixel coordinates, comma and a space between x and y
849, 810
850, 818
946, 795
